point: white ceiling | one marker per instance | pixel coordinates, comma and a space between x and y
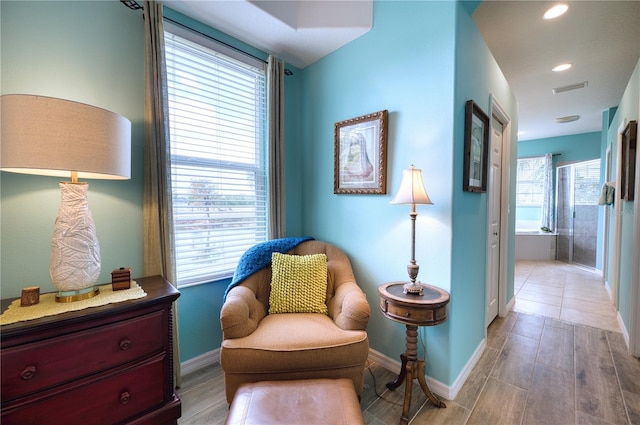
300, 31
601, 39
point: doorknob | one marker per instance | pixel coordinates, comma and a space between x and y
495, 233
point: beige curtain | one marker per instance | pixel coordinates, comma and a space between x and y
275, 125
159, 256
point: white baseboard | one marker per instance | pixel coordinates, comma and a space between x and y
198, 362
466, 371
625, 333
511, 303
437, 387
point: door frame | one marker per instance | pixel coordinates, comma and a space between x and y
497, 112
606, 237
634, 320
617, 225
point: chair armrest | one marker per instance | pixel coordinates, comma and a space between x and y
241, 313
349, 307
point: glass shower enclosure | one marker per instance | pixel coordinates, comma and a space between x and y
577, 195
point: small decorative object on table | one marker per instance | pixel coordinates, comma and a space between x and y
30, 296
121, 279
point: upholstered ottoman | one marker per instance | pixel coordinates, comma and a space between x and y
298, 402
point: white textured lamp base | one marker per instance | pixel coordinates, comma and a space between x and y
75, 253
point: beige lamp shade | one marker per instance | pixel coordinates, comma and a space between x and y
54, 137
411, 190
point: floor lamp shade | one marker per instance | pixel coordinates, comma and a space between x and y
55, 137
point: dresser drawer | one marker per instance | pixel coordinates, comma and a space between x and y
111, 400
33, 367
413, 315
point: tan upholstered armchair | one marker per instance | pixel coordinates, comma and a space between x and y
258, 346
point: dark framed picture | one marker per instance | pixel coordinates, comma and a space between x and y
476, 154
629, 141
360, 155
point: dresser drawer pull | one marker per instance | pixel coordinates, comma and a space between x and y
408, 314
125, 397
125, 344
28, 373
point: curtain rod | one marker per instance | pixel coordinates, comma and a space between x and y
538, 156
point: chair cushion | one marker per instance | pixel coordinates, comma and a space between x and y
297, 341
298, 283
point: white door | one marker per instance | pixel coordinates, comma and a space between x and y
495, 189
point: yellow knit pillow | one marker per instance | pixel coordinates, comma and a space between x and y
298, 283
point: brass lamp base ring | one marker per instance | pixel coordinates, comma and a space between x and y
79, 295
412, 288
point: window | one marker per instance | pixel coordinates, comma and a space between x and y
217, 137
587, 183
530, 182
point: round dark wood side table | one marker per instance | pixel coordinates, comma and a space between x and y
413, 310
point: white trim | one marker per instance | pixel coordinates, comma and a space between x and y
617, 211
384, 361
634, 319
437, 387
198, 362
623, 328
466, 371
512, 303
606, 237
497, 110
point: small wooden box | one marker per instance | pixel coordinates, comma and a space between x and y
121, 279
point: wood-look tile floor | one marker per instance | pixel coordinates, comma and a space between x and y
564, 291
535, 370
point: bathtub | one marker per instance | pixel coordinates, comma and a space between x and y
535, 245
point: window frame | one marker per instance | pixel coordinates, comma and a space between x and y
258, 169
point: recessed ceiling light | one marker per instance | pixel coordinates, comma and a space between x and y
555, 11
562, 67
569, 118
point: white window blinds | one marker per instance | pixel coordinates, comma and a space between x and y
218, 166
530, 181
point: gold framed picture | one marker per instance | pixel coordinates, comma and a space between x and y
360, 155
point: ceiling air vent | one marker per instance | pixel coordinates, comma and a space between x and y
569, 118
570, 87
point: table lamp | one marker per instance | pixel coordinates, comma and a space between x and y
411, 191
55, 137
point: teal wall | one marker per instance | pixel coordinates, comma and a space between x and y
410, 73
426, 74
627, 111
477, 77
60, 49
577, 147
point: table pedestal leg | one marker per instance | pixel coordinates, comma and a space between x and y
411, 369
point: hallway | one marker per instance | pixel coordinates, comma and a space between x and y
563, 291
